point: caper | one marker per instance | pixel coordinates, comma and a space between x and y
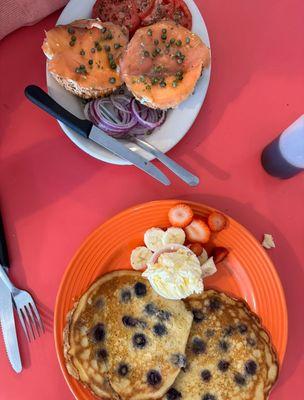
72, 43
164, 36
149, 32
82, 52
172, 40
178, 43
162, 84
109, 36
117, 45
107, 48
187, 40
146, 53
112, 79
90, 62
164, 30
156, 41
71, 30
174, 83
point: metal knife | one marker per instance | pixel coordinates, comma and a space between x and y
7, 319
86, 129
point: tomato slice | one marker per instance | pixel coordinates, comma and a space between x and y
182, 14
162, 9
120, 12
144, 7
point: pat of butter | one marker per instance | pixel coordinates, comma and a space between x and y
176, 275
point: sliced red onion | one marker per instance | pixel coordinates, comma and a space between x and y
120, 115
146, 122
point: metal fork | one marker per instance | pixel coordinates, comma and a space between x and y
26, 308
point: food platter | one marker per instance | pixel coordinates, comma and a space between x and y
179, 120
248, 272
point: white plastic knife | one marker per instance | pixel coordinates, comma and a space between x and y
8, 327
86, 129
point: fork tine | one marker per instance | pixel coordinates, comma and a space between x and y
21, 319
32, 321
39, 320
29, 327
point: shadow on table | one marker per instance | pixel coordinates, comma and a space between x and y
291, 275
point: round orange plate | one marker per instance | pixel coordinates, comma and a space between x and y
248, 273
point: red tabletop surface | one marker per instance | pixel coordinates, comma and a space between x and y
53, 195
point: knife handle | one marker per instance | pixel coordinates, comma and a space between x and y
41, 99
3, 248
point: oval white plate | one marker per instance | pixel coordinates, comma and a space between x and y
178, 121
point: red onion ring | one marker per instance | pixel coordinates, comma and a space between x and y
149, 123
121, 115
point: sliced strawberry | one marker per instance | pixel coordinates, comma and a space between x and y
197, 248
219, 253
217, 221
198, 231
180, 215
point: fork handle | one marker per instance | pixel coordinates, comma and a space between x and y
3, 248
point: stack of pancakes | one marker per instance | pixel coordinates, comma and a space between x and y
123, 341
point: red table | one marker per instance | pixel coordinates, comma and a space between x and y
53, 195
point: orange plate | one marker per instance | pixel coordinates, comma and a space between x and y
248, 272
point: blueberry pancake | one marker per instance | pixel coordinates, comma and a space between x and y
229, 354
123, 341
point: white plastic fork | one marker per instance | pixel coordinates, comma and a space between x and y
26, 308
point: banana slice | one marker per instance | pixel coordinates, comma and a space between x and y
174, 235
203, 257
153, 238
208, 268
139, 257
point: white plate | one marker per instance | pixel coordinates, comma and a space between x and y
178, 121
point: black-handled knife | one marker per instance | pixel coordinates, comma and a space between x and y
3, 248
86, 129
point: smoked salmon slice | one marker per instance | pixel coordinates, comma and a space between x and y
84, 56
162, 64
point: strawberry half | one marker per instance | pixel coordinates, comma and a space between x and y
180, 215
197, 248
219, 253
198, 231
217, 221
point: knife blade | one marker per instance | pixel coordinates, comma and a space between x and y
7, 322
86, 129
